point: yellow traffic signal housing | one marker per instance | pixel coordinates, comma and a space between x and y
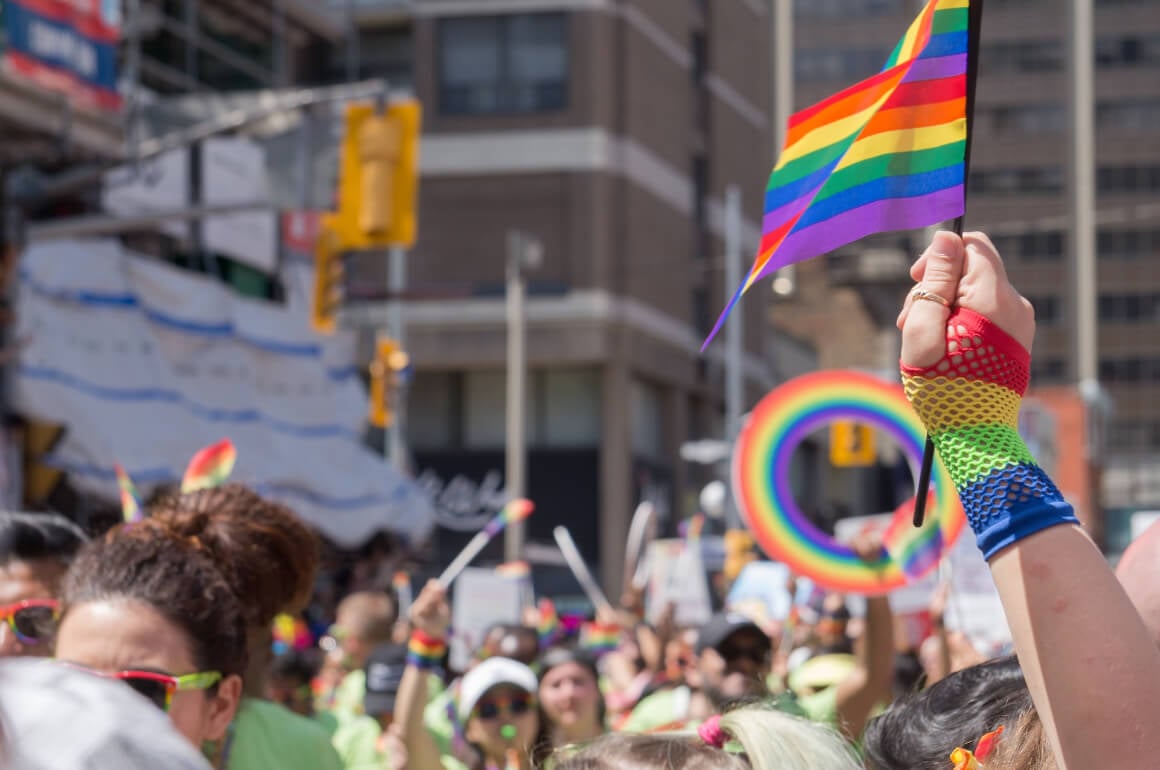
851, 445
328, 277
378, 176
389, 360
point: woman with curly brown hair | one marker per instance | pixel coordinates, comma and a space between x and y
269, 559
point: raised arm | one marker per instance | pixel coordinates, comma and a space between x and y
1092, 669
430, 619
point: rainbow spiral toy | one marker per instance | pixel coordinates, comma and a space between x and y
763, 491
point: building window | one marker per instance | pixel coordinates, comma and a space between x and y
1129, 179
1045, 246
503, 64
1130, 370
838, 64
1140, 115
647, 417
1022, 56
1048, 309
1025, 119
1130, 308
570, 408
1011, 181
834, 9
1128, 51
1048, 370
434, 410
1128, 244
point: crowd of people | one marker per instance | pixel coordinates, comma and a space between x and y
179, 640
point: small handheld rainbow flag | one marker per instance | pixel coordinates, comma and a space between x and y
131, 508
599, 638
210, 467
889, 153
548, 626
516, 510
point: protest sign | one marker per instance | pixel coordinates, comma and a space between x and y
481, 599
677, 576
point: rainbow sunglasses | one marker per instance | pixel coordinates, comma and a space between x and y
33, 621
158, 687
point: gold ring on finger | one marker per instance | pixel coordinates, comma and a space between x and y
921, 293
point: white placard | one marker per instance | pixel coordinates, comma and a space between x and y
915, 596
677, 576
233, 170
144, 364
481, 599
1140, 522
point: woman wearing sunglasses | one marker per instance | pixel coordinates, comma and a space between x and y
495, 703
149, 608
35, 551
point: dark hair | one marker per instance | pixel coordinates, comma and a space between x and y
920, 731
562, 655
32, 536
525, 634
299, 665
267, 555
173, 575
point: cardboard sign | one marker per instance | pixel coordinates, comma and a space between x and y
482, 598
677, 576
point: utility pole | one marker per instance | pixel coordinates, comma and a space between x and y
523, 253
395, 444
1082, 251
734, 328
782, 81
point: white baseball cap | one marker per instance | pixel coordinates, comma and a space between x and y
492, 673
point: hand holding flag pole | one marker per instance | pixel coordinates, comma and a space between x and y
889, 153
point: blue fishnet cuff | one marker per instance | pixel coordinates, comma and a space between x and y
1013, 503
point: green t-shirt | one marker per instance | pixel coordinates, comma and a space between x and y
349, 696
669, 709
357, 744
267, 736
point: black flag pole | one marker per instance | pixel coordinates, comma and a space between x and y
974, 35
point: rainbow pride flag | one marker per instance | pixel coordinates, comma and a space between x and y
889, 153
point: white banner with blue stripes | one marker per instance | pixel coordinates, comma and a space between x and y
145, 364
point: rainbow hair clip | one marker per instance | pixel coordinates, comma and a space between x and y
210, 467
962, 759
131, 507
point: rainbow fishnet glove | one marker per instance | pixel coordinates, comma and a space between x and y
969, 402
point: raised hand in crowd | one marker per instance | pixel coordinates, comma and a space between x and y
1089, 662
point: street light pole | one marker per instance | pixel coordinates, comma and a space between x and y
734, 327
523, 253
396, 444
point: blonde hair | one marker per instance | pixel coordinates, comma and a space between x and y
768, 740
1024, 748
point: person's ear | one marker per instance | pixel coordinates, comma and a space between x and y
222, 706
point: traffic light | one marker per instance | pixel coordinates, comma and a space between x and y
329, 276
378, 175
389, 362
851, 445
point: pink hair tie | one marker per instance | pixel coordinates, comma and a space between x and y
711, 732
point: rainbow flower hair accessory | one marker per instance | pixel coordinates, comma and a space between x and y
131, 507
210, 467
962, 759
762, 485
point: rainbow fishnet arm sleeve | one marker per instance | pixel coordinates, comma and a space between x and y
969, 402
